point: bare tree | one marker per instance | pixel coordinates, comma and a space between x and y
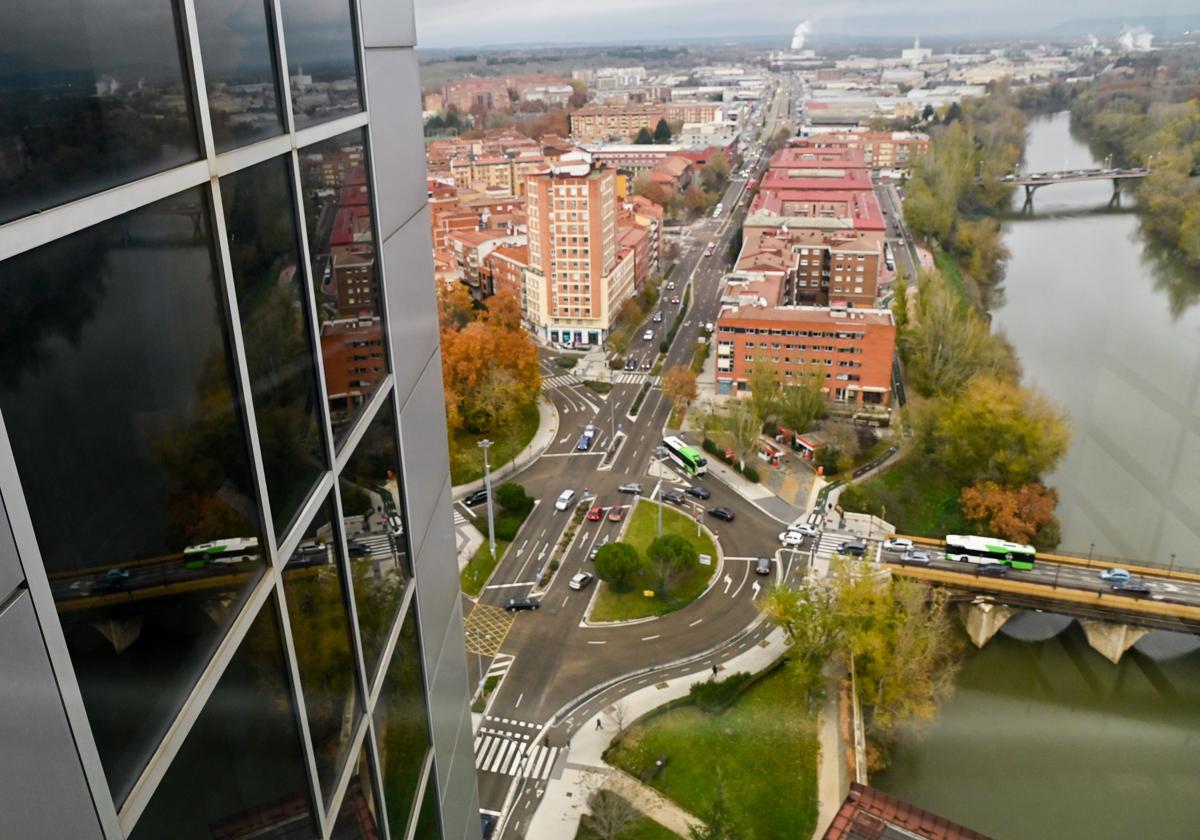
609, 815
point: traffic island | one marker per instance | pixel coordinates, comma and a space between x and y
644, 597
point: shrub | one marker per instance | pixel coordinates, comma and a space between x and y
567, 362
512, 497
751, 473
507, 524
719, 695
616, 363
598, 386
664, 345
710, 447
637, 402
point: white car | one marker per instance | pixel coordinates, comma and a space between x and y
793, 538
564, 500
648, 335
804, 529
916, 558
580, 580
898, 544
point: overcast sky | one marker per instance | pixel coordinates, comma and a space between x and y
445, 23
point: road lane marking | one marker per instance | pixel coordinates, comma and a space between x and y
756, 589
743, 583
511, 585
651, 638
597, 643
517, 705
694, 623
728, 583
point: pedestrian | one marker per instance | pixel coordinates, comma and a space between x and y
599, 725
714, 669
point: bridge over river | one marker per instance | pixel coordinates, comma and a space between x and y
1032, 181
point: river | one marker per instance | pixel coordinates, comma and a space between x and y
1044, 737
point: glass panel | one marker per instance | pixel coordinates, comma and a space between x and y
117, 389
91, 96
357, 819
239, 70
322, 64
320, 635
341, 243
241, 772
401, 729
429, 820
375, 533
274, 314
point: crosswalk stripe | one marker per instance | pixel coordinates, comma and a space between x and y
483, 754
515, 760
505, 746
549, 763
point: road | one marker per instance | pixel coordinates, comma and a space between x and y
548, 658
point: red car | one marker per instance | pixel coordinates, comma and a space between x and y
595, 514
616, 514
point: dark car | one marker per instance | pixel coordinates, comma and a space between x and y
722, 513
763, 566
519, 604
674, 497
856, 547
1131, 587
114, 580
476, 498
698, 491
487, 824
991, 569
357, 549
631, 364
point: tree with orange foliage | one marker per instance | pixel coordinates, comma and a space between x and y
679, 384
1023, 514
456, 307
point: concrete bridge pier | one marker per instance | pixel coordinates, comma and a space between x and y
983, 620
1110, 639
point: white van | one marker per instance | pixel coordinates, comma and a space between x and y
564, 500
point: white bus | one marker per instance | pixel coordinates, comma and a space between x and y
972, 549
686, 456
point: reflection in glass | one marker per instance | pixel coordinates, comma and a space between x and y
274, 314
91, 96
117, 391
401, 730
341, 242
371, 506
239, 70
320, 635
357, 818
240, 773
429, 820
322, 65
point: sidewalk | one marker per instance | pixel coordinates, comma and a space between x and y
542, 438
832, 779
565, 800
756, 494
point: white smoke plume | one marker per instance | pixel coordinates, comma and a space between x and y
800, 34
1135, 39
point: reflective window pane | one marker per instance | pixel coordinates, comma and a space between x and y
373, 522
341, 242
401, 729
239, 70
322, 60
358, 819
429, 820
118, 393
91, 96
274, 314
240, 773
321, 637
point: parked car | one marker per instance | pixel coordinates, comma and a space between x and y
630, 487
1115, 574
1131, 587
521, 603
722, 513
616, 513
856, 547
595, 514
564, 500
476, 498
791, 538
898, 544
580, 581
916, 558
698, 491
762, 566
673, 496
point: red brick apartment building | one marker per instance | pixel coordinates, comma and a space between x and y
853, 347
815, 267
599, 122
880, 149
352, 350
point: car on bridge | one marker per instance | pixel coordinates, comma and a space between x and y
855, 547
994, 569
520, 604
581, 580
595, 514
1115, 574
1137, 588
898, 544
722, 513
916, 558
476, 498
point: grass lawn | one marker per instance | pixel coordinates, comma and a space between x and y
643, 828
643, 528
466, 458
917, 498
475, 574
764, 746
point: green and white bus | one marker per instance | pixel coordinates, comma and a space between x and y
686, 456
227, 552
971, 549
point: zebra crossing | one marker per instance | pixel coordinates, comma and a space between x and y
630, 378
512, 754
499, 667
827, 549
378, 544
561, 381
459, 519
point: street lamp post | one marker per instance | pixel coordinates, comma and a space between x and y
485, 445
1171, 568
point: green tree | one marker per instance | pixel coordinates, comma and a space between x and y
512, 497
715, 173
662, 132
900, 304
998, 431
644, 137
618, 564
762, 380
741, 426
673, 555
802, 399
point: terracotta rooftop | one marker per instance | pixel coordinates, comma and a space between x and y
870, 814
